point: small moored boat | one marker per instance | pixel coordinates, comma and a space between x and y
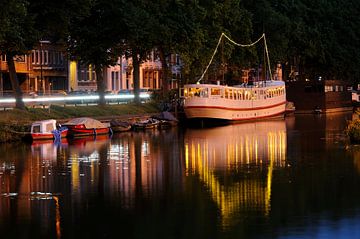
150, 123
47, 130
119, 126
85, 126
289, 108
166, 119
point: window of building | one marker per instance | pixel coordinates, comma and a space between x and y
33, 57
61, 60
50, 57
46, 58
57, 58
37, 58
328, 88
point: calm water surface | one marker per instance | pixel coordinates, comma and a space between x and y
295, 178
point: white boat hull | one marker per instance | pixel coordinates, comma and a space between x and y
234, 114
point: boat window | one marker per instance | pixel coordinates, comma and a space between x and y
36, 129
190, 92
215, 91
49, 127
230, 94
186, 91
204, 92
195, 91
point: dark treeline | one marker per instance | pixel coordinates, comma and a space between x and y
315, 37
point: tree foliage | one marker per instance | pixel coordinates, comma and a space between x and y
94, 39
320, 38
17, 36
137, 37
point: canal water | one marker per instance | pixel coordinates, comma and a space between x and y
292, 178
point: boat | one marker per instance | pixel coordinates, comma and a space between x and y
85, 126
119, 126
251, 100
87, 145
166, 119
150, 123
235, 103
47, 130
290, 108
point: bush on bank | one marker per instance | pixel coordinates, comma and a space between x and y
353, 131
15, 124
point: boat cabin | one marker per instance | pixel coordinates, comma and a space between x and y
44, 126
240, 92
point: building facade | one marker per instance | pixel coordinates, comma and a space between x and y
120, 76
46, 70
43, 70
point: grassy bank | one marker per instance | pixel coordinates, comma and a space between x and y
14, 123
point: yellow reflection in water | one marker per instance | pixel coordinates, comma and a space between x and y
250, 150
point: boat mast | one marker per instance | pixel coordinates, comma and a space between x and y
222, 62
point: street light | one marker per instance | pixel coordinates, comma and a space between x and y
41, 63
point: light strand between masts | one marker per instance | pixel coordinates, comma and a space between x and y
240, 45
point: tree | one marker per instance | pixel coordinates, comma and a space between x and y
138, 39
95, 39
217, 17
17, 36
54, 17
318, 37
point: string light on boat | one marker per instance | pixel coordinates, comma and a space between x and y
240, 45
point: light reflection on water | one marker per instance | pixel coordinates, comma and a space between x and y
236, 163
274, 179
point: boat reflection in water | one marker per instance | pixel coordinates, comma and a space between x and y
28, 187
47, 149
139, 166
236, 164
129, 165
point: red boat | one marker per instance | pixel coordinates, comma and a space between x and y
46, 129
84, 126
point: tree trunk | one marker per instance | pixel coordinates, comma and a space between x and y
136, 77
15, 83
100, 84
165, 69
